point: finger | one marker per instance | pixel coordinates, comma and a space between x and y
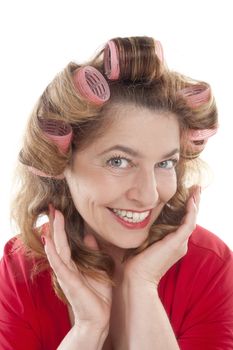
196, 193
90, 241
63, 273
189, 220
60, 238
188, 223
51, 218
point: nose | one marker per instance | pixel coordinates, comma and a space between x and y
143, 190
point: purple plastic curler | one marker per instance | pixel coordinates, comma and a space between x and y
196, 95
111, 61
58, 131
91, 84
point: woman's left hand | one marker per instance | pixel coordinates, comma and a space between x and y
149, 266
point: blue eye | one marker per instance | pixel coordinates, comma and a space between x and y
168, 164
118, 162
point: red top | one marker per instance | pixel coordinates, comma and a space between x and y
197, 293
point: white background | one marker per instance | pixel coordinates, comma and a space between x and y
38, 38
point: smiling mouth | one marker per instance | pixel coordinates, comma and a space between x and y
131, 216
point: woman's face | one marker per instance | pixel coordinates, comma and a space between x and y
121, 182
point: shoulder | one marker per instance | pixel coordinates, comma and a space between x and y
19, 269
197, 292
29, 307
207, 264
17, 261
207, 255
205, 242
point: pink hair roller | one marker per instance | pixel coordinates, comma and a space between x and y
196, 95
91, 85
42, 174
61, 134
57, 131
111, 61
111, 58
159, 50
198, 135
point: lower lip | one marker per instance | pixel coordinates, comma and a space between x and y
132, 225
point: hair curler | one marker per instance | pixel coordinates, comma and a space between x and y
111, 61
61, 134
196, 95
91, 84
42, 174
204, 134
111, 58
159, 50
198, 138
58, 131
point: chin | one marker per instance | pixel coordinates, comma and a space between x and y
130, 245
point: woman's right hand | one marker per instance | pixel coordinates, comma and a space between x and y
89, 299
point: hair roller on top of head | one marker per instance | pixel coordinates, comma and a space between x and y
159, 50
111, 61
196, 95
132, 58
91, 84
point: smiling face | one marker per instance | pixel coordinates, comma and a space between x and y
121, 181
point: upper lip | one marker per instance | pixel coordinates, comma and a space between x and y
135, 211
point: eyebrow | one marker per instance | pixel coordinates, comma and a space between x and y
134, 153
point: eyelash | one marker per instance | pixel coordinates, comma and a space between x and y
118, 157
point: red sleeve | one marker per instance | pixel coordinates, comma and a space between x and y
208, 324
197, 294
18, 324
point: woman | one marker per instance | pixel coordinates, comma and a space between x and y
111, 155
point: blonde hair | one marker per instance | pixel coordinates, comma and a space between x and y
145, 82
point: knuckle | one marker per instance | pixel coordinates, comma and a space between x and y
191, 227
180, 249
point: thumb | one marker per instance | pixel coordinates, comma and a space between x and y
90, 241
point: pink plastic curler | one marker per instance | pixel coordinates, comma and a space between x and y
196, 95
91, 85
159, 50
199, 138
61, 134
198, 148
42, 174
111, 61
57, 131
198, 135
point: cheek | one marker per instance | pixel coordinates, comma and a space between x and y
91, 190
167, 186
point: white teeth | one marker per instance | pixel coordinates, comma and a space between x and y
130, 216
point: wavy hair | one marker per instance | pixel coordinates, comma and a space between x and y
145, 82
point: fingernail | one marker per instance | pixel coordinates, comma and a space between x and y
43, 240
194, 199
52, 211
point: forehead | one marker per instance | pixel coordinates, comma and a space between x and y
140, 129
